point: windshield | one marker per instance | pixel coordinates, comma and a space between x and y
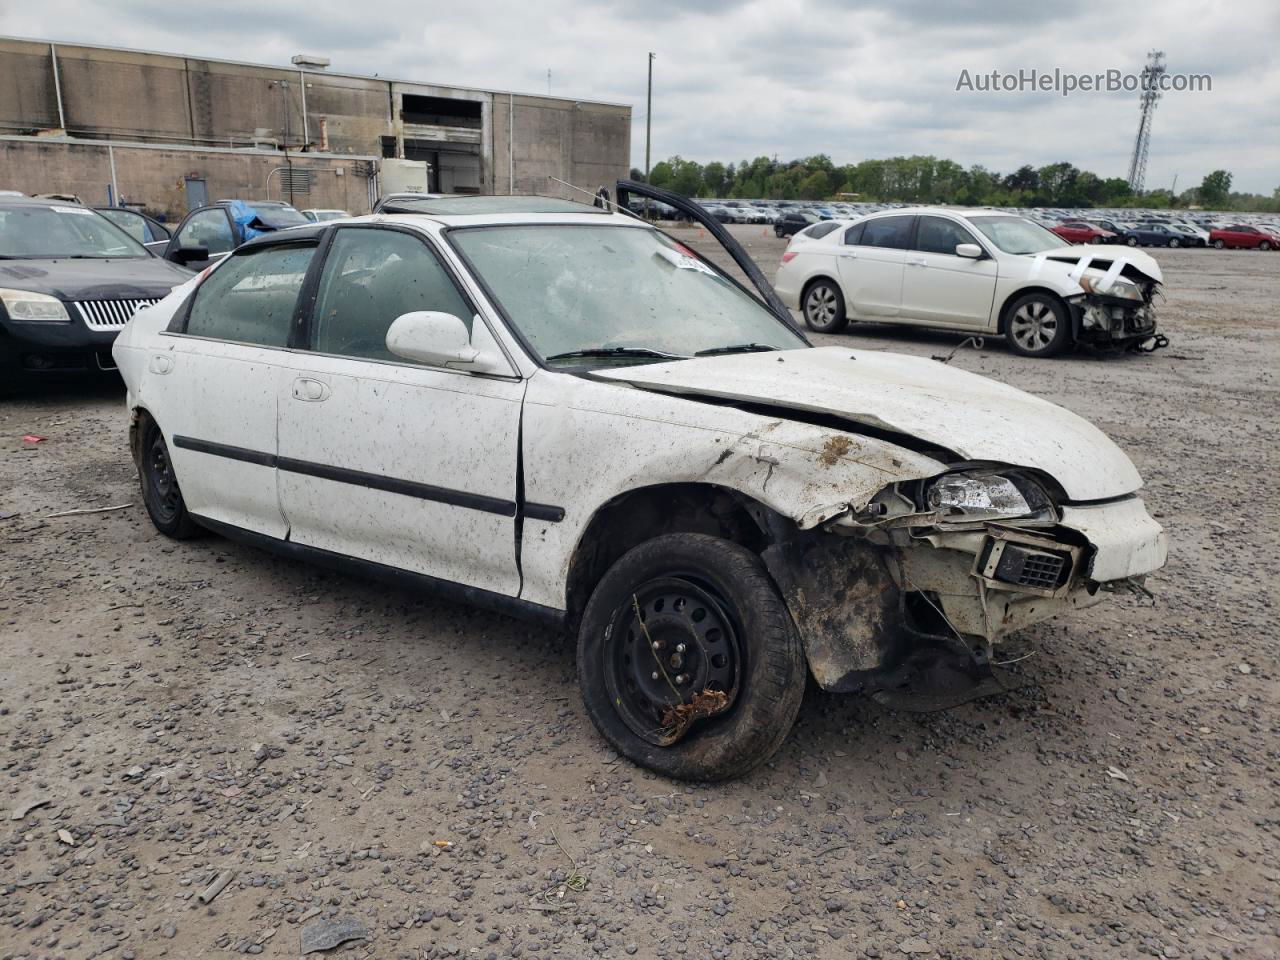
277, 215
63, 231
588, 288
1016, 234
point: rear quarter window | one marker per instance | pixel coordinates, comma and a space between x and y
251, 298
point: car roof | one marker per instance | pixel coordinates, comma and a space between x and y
10, 201
477, 204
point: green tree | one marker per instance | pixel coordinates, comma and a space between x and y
1215, 189
816, 186
715, 177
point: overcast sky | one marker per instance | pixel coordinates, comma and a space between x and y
735, 80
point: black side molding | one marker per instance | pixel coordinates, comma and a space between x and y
374, 481
447, 589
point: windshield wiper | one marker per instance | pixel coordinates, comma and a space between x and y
615, 352
736, 348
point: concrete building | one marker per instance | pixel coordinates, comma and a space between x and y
170, 132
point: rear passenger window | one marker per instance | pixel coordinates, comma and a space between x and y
820, 230
894, 232
371, 276
938, 235
251, 298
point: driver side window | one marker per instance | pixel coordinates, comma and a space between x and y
371, 277
209, 229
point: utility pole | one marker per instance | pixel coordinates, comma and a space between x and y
648, 131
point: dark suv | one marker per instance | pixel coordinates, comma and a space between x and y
793, 221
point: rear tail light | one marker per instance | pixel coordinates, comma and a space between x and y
788, 256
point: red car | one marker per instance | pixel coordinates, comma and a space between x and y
1241, 235
1077, 232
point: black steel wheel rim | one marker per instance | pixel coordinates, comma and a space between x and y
162, 485
673, 637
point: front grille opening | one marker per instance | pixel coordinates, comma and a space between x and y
1038, 569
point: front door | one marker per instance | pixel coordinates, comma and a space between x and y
215, 377
938, 286
385, 459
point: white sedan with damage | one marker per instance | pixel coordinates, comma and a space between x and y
562, 413
978, 271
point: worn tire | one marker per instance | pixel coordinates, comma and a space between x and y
771, 681
165, 507
1047, 309
822, 304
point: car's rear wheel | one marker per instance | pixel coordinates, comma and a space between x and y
1095, 239
1219, 244
688, 660
1038, 325
823, 307
160, 493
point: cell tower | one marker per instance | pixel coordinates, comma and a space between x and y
1149, 96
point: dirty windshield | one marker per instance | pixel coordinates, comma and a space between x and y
36, 231
594, 294
1017, 234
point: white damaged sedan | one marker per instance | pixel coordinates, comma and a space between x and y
562, 413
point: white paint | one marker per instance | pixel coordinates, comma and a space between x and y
978, 418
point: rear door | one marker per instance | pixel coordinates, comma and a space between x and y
938, 286
871, 271
212, 382
384, 459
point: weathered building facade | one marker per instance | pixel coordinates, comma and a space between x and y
170, 132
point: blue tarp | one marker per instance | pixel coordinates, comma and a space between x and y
245, 218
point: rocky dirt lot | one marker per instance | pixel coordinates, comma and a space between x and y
348, 758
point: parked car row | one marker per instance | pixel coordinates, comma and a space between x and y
1149, 234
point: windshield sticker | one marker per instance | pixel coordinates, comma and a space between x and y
81, 210
683, 261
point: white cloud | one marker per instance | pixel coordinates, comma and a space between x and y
735, 80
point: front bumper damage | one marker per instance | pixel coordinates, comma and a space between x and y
1104, 321
879, 602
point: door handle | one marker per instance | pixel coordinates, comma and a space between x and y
851, 254
304, 388
917, 263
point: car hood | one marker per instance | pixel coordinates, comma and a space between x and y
974, 417
108, 279
1135, 264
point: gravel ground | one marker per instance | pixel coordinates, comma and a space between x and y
363, 760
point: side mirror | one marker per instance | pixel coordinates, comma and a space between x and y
185, 255
970, 250
441, 340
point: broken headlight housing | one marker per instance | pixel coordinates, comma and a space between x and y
1120, 288
975, 496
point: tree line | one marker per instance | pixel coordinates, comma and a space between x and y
933, 180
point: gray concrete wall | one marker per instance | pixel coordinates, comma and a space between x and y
124, 95
586, 144
156, 177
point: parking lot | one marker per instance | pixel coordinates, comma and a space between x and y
177, 714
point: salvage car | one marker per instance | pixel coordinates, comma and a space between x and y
70, 279
977, 271
562, 413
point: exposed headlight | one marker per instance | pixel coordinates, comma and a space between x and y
1119, 287
984, 496
24, 305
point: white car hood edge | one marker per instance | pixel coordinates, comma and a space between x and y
973, 416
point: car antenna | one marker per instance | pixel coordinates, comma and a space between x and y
601, 195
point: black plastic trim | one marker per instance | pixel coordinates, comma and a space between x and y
499, 602
374, 481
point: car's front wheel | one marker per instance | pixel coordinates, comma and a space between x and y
1265, 245
1132, 241
160, 493
1175, 242
1219, 244
1038, 325
823, 307
688, 659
